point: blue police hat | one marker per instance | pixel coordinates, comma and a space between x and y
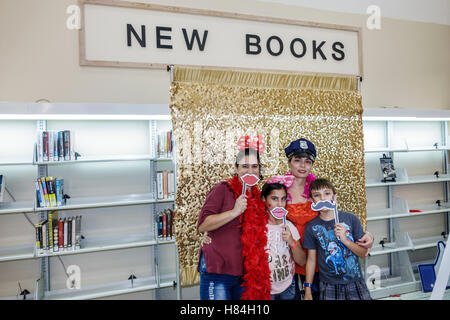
301, 147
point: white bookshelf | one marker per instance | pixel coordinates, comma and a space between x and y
410, 137
43, 115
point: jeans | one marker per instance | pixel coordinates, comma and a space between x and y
288, 294
215, 286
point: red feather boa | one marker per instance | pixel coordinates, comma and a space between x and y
256, 279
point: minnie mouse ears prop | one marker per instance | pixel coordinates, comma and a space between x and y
256, 143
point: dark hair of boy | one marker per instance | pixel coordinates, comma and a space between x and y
321, 183
269, 187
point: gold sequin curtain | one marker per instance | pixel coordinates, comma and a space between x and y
211, 109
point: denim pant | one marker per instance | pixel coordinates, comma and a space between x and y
288, 294
215, 286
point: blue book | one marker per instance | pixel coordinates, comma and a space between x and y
59, 192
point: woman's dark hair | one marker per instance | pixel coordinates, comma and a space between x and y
269, 187
246, 152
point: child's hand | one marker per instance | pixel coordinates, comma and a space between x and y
340, 231
286, 235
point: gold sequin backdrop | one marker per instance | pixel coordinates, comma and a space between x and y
211, 109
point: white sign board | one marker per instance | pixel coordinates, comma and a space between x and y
116, 33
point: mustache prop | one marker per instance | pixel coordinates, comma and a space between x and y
325, 204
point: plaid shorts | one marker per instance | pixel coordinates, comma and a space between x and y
351, 291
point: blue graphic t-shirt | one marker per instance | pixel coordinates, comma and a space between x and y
337, 263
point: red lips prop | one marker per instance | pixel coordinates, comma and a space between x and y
248, 180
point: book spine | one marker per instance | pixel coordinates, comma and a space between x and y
164, 226
40, 150
165, 185
78, 233
60, 146
50, 232
66, 137
159, 185
44, 236
171, 184
51, 147
55, 146
44, 190
38, 237
169, 223
160, 225
51, 191
65, 233
55, 239
69, 233
73, 232
60, 234
39, 195
58, 183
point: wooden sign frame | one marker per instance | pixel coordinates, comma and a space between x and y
135, 5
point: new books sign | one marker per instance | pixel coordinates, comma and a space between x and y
117, 33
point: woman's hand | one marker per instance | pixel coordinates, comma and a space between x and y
205, 240
240, 205
366, 242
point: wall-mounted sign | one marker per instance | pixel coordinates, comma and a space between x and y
118, 33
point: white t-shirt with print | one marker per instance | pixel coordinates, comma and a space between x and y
281, 262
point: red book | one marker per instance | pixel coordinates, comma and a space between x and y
60, 234
164, 225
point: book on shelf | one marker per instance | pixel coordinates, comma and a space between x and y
165, 185
50, 192
387, 168
2, 187
55, 235
54, 145
164, 146
165, 224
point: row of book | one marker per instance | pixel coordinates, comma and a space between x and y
165, 224
55, 235
165, 185
2, 187
164, 145
54, 146
50, 192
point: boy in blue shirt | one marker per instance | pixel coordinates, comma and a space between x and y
332, 246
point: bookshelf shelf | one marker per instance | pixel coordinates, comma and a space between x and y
89, 245
146, 134
371, 183
416, 149
390, 213
418, 136
111, 289
107, 201
16, 207
105, 158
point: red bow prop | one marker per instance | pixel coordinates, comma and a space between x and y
256, 143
